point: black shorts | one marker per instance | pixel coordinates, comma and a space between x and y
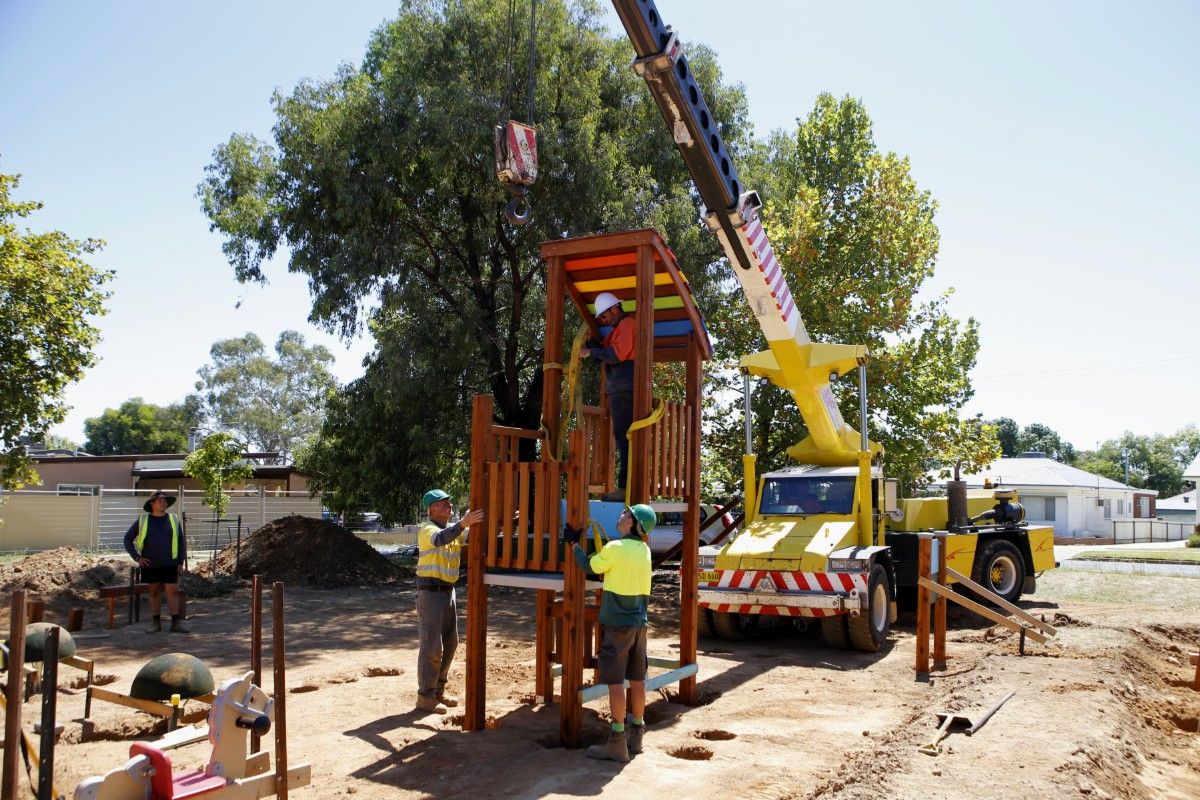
167, 574
622, 654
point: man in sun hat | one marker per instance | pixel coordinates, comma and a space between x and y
625, 565
158, 543
439, 554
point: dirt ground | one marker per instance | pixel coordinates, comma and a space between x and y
1106, 710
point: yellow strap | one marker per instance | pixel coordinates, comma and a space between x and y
572, 393
660, 408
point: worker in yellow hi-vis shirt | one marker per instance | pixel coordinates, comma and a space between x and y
625, 565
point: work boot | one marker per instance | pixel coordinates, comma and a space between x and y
448, 700
634, 734
177, 625
155, 625
427, 703
615, 748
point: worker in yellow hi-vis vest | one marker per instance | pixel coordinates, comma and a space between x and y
439, 553
156, 541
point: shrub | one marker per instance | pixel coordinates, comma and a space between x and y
1194, 540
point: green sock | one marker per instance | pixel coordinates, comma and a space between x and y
637, 721
618, 727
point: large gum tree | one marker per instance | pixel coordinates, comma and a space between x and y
380, 187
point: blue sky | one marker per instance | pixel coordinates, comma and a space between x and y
1059, 139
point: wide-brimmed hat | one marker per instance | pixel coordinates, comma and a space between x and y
159, 493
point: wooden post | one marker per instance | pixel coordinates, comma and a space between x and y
12, 696
37, 610
689, 563
939, 609
45, 788
544, 645
574, 584
477, 546
638, 475
75, 619
280, 726
552, 376
924, 546
256, 647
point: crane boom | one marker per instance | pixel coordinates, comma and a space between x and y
793, 362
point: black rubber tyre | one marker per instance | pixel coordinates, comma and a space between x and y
833, 630
734, 626
869, 631
704, 624
1000, 568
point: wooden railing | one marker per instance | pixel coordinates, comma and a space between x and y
667, 459
524, 515
597, 436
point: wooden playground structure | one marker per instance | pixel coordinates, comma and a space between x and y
523, 479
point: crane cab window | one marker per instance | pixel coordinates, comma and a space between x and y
807, 495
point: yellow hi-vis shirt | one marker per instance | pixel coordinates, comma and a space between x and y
434, 561
625, 565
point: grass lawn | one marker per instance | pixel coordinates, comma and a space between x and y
1184, 555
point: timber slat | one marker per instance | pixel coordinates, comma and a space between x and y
980, 609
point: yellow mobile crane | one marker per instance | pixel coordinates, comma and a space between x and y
828, 539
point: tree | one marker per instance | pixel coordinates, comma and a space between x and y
273, 405
1040, 438
141, 427
1008, 433
381, 183
47, 294
1155, 462
856, 238
215, 463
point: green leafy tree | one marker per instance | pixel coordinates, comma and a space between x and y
1008, 433
1040, 438
217, 462
57, 442
274, 405
1155, 462
48, 292
140, 427
857, 240
380, 183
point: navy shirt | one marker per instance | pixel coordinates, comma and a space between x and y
157, 546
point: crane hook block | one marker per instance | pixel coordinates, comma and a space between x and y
516, 153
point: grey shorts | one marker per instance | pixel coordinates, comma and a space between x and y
622, 654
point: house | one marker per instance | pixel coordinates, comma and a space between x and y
1192, 473
1180, 508
84, 475
1075, 502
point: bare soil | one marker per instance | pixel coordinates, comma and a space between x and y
1105, 710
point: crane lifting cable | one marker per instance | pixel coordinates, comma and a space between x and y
516, 142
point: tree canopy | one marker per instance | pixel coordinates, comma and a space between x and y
857, 239
48, 293
141, 427
216, 462
380, 183
272, 405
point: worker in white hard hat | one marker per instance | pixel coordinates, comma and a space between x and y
615, 352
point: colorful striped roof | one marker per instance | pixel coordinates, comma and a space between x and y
608, 263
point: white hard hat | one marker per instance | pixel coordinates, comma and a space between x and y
605, 301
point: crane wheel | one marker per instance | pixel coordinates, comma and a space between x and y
833, 630
734, 626
1000, 568
868, 631
704, 623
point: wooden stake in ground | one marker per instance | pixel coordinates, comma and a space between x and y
281, 776
256, 647
12, 694
924, 546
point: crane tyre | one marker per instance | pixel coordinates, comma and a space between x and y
734, 626
1000, 568
869, 630
704, 623
834, 632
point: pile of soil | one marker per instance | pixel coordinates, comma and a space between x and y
61, 573
302, 551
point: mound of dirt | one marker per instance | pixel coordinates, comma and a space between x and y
61, 573
303, 551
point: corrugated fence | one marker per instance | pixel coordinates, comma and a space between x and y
33, 520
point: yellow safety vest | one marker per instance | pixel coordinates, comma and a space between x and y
144, 525
440, 563
625, 565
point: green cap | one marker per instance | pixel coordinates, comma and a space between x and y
432, 496
645, 517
